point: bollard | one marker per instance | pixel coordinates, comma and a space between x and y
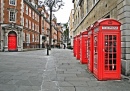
47, 50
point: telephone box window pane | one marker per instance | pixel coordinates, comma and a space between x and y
114, 37
106, 37
114, 61
114, 55
114, 43
110, 37
106, 55
106, 67
110, 61
106, 61
106, 43
112, 67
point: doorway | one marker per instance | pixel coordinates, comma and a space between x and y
12, 41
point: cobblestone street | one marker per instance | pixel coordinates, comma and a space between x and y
60, 71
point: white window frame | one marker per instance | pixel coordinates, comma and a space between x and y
26, 22
33, 14
23, 21
30, 24
26, 9
28, 38
11, 20
33, 37
30, 12
24, 36
12, 2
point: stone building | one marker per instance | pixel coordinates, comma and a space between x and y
86, 12
70, 24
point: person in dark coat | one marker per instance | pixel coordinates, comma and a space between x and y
64, 46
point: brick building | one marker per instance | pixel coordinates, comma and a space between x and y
86, 12
22, 25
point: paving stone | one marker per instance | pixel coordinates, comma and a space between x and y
65, 84
77, 79
78, 83
24, 83
4, 87
66, 75
67, 89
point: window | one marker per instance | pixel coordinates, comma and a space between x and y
23, 36
23, 21
27, 23
33, 14
28, 38
32, 37
32, 26
29, 12
26, 9
12, 2
12, 16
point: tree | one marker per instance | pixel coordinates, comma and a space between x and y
66, 32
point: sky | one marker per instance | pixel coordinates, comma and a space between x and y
63, 14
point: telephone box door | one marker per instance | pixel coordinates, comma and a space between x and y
111, 52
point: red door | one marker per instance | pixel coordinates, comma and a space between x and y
12, 42
111, 56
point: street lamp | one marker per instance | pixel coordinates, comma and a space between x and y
53, 5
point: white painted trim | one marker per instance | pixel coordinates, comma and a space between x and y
2, 11
15, 17
13, 4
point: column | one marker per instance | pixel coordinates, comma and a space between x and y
123, 8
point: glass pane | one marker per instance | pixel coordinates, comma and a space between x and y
114, 37
106, 55
110, 61
106, 43
110, 67
110, 37
114, 61
106, 37
106, 61
110, 49
114, 43
114, 55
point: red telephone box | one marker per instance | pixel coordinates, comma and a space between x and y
90, 48
83, 48
107, 50
78, 47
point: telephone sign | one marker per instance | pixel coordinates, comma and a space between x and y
110, 27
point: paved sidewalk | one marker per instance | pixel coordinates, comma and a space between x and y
60, 71
64, 73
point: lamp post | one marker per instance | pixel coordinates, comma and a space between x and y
53, 5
